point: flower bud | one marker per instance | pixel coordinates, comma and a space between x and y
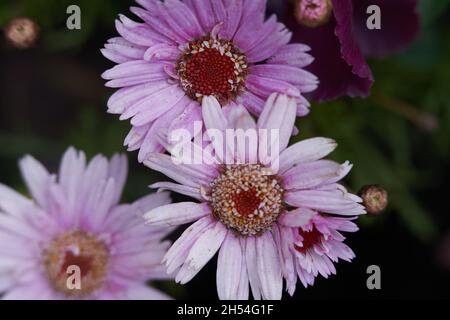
313, 13
22, 33
375, 199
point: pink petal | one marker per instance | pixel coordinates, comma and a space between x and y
190, 175
325, 201
312, 174
176, 214
179, 251
229, 268
269, 269
278, 114
178, 188
201, 252
251, 258
306, 151
297, 218
293, 54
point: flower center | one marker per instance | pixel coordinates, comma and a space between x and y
310, 238
247, 198
313, 13
80, 250
212, 67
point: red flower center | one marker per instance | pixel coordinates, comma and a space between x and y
246, 202
76, 249
212, 67
310, 238
209, 73
247, 198
83, 262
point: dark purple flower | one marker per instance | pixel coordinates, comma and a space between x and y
341, 41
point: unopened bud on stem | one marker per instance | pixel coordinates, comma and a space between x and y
375, 199
22, 33
313, 13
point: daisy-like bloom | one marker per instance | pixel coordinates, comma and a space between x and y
73, 240
337, 32
312, 249
184, 51
243, 206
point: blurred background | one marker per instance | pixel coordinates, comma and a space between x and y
52, 96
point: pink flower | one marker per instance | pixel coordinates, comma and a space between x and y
74, 220
313, 248
184, 51
242, 207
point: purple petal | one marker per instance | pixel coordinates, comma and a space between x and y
184, 18
234, 9
303, 80
338, 61
155, 105
399, 26
293, 54
161, 52
204, 12
264, 87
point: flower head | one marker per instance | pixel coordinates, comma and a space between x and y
313, 248
22, 33
184, 51
245, 203
340, 40
375, 199
74, 226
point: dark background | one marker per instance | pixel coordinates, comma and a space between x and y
52, 96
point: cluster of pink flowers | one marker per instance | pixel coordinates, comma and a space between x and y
272, 220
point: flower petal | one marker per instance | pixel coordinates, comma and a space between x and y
229, 268
201, 252
400, 26
312, 174
176, 214
269, 269
297, 218
190, 175
336, 202
306, 151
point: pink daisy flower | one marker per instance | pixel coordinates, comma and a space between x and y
184, 51
243, 206
74, 220
311, 249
